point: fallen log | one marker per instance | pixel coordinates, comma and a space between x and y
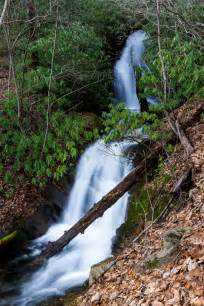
101, 206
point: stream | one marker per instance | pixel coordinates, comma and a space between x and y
99, 169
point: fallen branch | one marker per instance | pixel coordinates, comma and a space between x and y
179, 132
183, 139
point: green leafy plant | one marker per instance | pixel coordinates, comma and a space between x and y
26, 154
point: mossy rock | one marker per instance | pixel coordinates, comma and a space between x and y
99, 269
168, 251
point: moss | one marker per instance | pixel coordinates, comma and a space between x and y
8, 238
138, 207
69, 299
147, 201
12, 244
152, 264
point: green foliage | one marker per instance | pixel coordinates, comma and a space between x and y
121, 123
185, 72
82, 45
63, 66
23, 153
78, 61
106, 16
184, 68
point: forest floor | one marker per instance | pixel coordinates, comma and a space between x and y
19, 203
166, 265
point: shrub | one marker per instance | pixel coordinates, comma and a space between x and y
23, 153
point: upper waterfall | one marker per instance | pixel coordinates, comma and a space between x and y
124, 73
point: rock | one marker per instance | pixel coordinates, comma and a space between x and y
95, 298
49, 210
171, 242
192, 265
99, 269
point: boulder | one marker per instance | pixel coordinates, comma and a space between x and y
99, 269
169, 250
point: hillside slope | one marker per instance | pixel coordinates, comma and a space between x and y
166, 266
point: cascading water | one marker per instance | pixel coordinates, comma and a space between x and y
125, 79
98, 171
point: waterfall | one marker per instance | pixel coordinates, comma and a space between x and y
124, 74
99, 170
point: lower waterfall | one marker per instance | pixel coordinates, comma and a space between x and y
98, 172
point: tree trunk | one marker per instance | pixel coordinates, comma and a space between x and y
6, 3
31, 10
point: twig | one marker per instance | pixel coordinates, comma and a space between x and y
12, 73
160, 52
50, 83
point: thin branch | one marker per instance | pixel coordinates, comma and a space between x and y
50, 83
12, 72
160, 52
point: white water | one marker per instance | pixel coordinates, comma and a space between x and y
125, 79
98, 171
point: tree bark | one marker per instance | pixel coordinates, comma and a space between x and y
31, 11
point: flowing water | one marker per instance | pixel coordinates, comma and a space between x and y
98, 171
125, 78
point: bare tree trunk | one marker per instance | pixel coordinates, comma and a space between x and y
6, 2
164, 76
31, 10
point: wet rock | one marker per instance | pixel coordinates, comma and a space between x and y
49, 210
99, 269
